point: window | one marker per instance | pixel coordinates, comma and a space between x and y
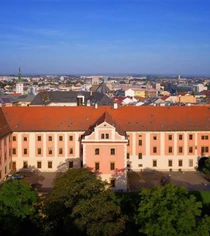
154, 149
180, 136
104, 136
70, 138
49, 138
140, 165
190, 149
128, 142
49, 164
180, 163
14, 138
39, 151
25, 164
39, 138
24, 139
60, 138
97, 151
97, 166
204, 149
170, 163
140, 155
113, 183
39, 164
140, 142
154, 163
14, 151
170, 149
190, 162
112, 166
71, 151
50, 151
128, 155
112, 151
169, 137
190, 137
14, 165
71, 164
128, 166
180, 149
60, 150
204, 137
25, 151
154, 137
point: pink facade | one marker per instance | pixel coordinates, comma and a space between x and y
50, 145
105, 157
5, 156
169, 143
105, 153
155, 144
140, 143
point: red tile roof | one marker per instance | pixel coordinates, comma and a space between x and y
130, 118
106, 117
4, 127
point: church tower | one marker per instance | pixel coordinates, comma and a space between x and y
19, 84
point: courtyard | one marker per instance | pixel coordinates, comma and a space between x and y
192, 181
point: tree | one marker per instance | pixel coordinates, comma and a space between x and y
206, 168
167, 210
17, 205
81, 203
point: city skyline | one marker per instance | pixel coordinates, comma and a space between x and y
110, 37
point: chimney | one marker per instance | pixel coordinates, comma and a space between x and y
115, 106
91, 93
96, 105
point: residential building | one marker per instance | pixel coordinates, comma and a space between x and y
5, 147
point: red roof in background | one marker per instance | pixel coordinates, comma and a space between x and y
206, 92
183, 93
15, 94
164, 97
118, 99
130, 118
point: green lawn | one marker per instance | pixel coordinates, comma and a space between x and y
205, 195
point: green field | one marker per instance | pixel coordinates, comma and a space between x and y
202, 195
205, 195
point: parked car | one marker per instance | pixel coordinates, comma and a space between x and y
15, 177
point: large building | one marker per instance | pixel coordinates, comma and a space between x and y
109, 140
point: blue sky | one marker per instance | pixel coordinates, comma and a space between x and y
105, 36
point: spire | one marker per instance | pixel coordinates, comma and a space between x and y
19, 74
